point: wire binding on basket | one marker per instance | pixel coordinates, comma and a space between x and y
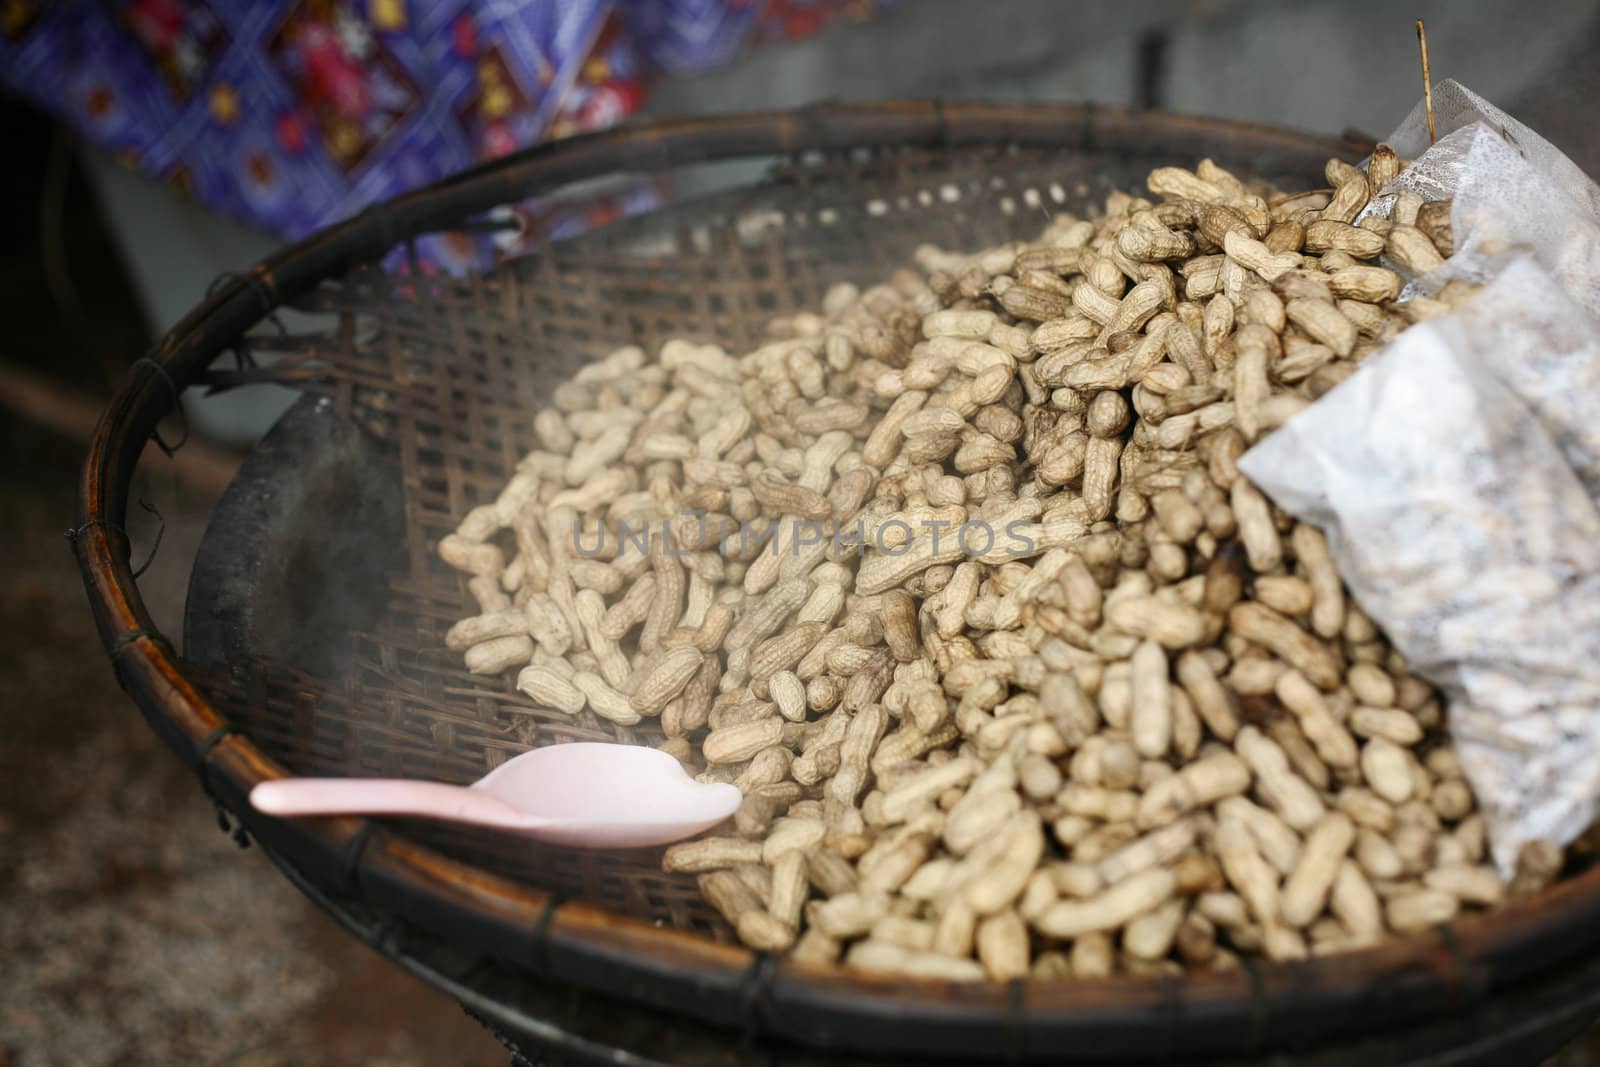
755, 994
350, 865
128, 637
1016, 1020
161, 525
177, 407
1463, 978
1260, 1003
1171, 1005
243, 355
73, 534
215, 737
539, 950
257, 282
227, 822
269, 306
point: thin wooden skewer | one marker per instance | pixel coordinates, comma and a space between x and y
1427, 80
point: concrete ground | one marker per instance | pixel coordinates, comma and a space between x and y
134, 932
131, 931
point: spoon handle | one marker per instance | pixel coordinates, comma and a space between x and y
384, 796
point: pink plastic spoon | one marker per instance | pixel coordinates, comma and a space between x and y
583, 795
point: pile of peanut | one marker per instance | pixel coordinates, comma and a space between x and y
1086, 702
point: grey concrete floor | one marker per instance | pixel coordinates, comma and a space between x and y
131, 931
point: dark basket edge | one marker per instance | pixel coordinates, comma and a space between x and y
1476, 957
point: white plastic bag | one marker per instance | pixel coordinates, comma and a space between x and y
1456, 473
1512, 189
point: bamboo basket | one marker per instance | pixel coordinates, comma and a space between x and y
317, 607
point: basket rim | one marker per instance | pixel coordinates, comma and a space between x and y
807, 1004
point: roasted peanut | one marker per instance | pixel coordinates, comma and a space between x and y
1051, 604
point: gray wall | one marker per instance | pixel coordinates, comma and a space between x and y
1316, 65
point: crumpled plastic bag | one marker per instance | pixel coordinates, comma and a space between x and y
1540, 342
1456, 474
1512, 189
